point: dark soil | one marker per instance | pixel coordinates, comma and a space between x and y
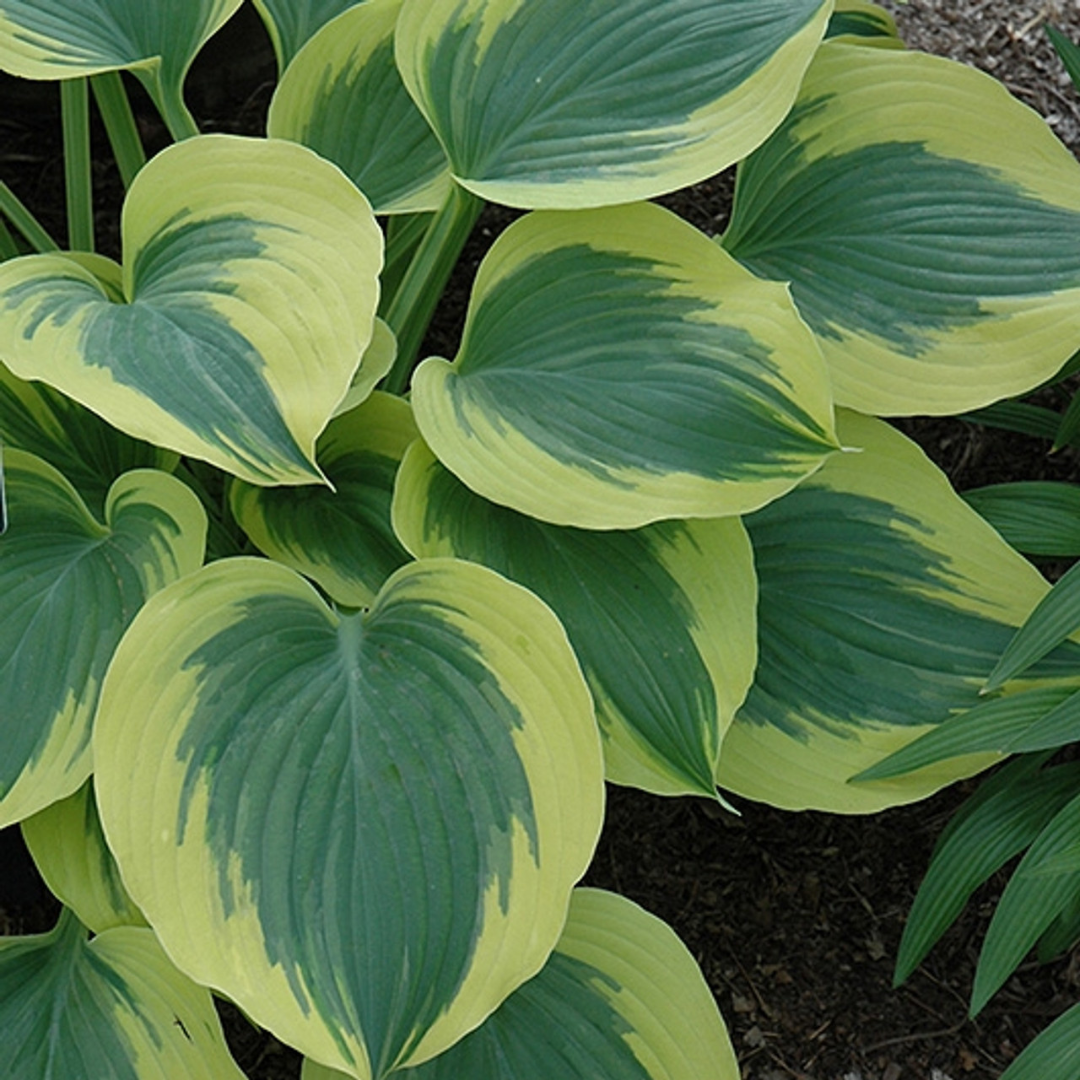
794, 918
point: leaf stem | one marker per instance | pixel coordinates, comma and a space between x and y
8, 248
16, 212
115, 108
410, 311
78, 184
169, 101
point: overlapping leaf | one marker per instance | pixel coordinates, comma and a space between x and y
69, 586
560, 105
342, 96
89, 452
363, 828
59, 39
661, 618
290, 23
72, 857
862, 22
250, 284
112, 1007
948, 274
618, 368
341, 538
884, 603
621, 998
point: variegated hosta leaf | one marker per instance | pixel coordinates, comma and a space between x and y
885, 602
661, 618
292, 22
113, 1007
89, 452
561, 105
60, 39
343, 97
70, 852
69, 586
929, 225
250, 281
863, 23
362, 828
621, 998
615, 371
378, 359
341, 538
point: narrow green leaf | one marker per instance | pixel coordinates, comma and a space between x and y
1017, 416
563, 105
1054, 620
1038, 517
1068, 50
1053, 1053
996, 725
1035, 896
444, 742
1003, 817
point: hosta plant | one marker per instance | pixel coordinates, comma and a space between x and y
316, 651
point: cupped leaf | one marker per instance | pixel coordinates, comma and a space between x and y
292, 22
342, 96
1003, 817
562, 105
377, 361
61, 39
1035, 896
89, 452
661, 618
884, 603
112, 1007
1038, 517
929, 225
69, 586
70, 852
340, 538
250, 281
861, 22
362, 828
618, 368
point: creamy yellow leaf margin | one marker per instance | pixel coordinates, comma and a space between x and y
150, 698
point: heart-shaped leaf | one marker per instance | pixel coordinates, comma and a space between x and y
69, 586
561, 105
343, 97
884, 602
662, 618
948, 275
615, 372
250, 281
363, 828
112, 1007
621, 998
341, 538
